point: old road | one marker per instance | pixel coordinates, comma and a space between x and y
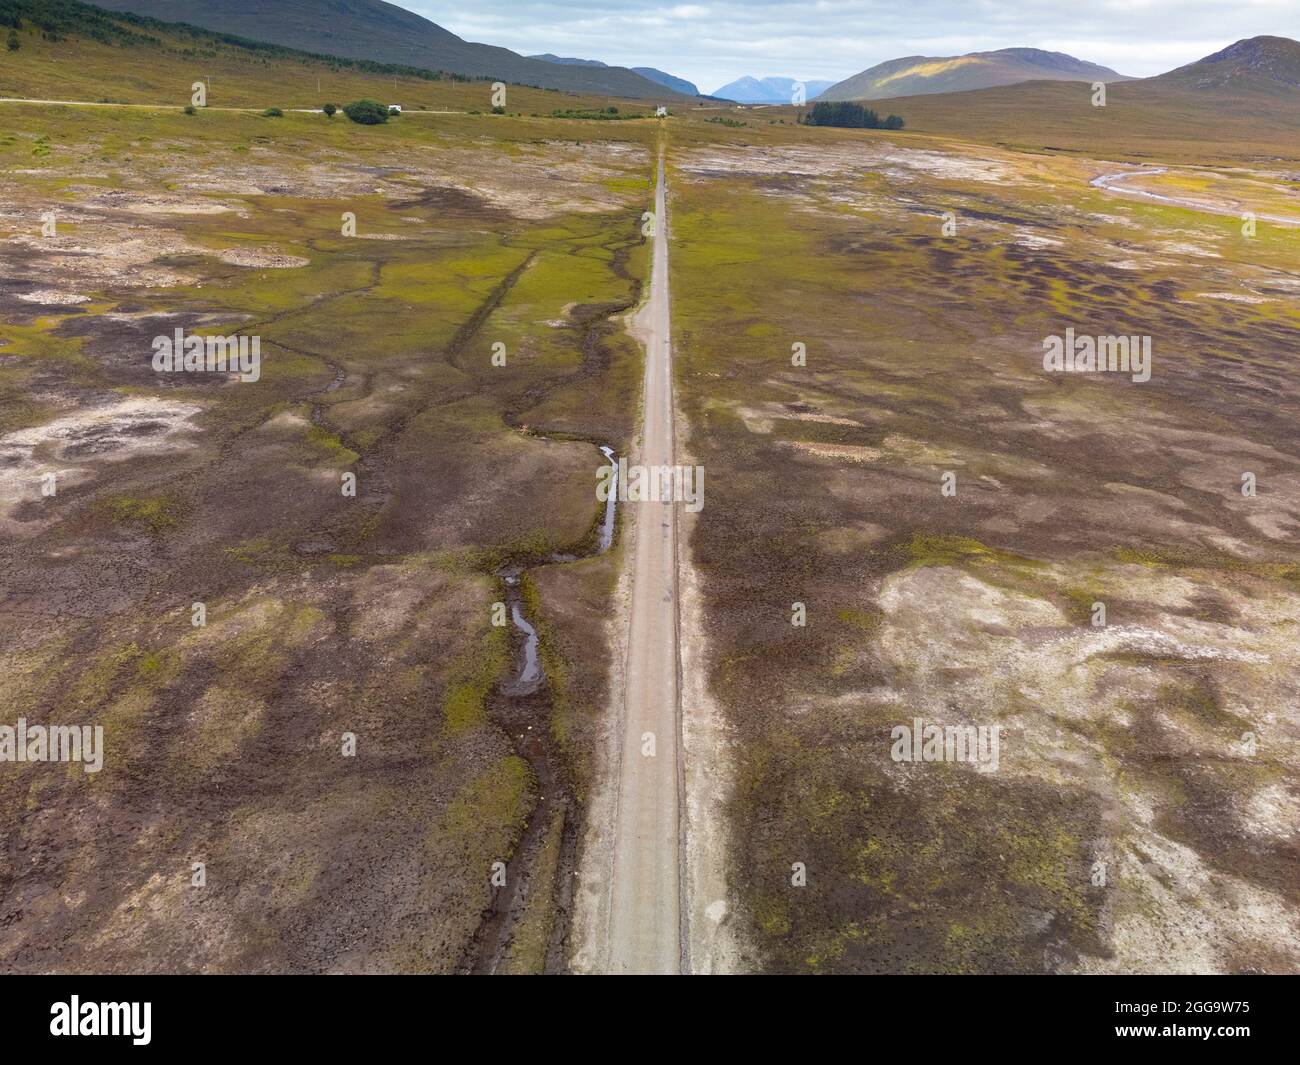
645, 914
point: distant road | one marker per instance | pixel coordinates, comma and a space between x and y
1111, 183
645, 931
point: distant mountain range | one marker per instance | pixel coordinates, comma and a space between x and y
749, 90
659, 77
1260, 67
385, 33
919, 75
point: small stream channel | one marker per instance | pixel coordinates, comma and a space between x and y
528, 673
521, 706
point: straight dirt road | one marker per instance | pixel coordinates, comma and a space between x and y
645, 916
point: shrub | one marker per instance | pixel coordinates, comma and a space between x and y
366, 112
330, 110
273, 112
190, 109
14, 42
498, 110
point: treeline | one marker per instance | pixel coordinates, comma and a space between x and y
849, 116
57, 18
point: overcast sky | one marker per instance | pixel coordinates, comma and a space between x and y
712, 43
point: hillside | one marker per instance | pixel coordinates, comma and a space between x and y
84, 53
371, 29
916, 75
1241, 103
1257, 64
668, 81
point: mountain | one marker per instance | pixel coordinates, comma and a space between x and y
1269, 64
917, 75
749, 90
659, 77
385, 33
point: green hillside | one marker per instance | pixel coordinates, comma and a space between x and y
371, 29
917, 74
72, 51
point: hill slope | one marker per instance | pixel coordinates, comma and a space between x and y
371, 29
72, 51
1268, 64
917, 75
669, 81
1240, 103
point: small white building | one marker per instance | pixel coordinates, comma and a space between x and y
394, 109
661, 112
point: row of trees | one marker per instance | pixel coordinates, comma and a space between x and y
849, 116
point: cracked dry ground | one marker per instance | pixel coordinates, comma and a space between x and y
326, 614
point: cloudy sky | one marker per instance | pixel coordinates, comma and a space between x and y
712, 43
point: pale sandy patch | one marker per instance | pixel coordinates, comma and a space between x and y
960, 646
262, 259
70, 447
850, 452
153, 203
1233, 297
1183, 248
53, 297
